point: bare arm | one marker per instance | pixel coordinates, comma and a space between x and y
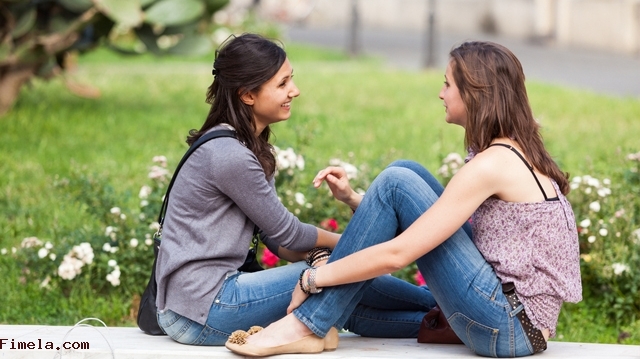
475, 182
325, 239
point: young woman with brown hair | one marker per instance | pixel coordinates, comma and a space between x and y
501, 288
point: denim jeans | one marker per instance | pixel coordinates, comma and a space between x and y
388, 307
462, 282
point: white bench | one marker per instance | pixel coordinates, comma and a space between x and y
31, 341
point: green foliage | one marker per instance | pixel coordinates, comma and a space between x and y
113, 243
585, 322
608, 215
174, 12
83, 24
33, 304
38, 36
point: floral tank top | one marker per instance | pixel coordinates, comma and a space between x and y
534, 245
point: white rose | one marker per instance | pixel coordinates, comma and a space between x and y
145, 191
619, 268
585, 223
109, 230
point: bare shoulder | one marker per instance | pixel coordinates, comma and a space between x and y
506, 174
480, 176
491, 163
491, 171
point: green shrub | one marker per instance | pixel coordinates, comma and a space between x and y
608, 216
111, 254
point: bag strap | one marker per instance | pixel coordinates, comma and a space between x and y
204, 138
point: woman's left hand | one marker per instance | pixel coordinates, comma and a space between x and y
297, 297
336, 178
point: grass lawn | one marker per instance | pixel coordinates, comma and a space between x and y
356, 110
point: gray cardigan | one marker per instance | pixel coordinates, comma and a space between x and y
218, 195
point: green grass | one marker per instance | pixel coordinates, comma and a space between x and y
356, 110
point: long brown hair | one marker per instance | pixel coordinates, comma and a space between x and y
243, 64
491, 84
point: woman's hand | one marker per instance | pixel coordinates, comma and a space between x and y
336, 178
297, 297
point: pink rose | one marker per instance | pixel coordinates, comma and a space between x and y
269, 259
330, 224
419, 279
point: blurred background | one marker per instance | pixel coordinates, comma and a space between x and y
591, 44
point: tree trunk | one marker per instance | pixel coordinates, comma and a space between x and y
12, 77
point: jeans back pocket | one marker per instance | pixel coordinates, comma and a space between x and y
480, 338
175, 326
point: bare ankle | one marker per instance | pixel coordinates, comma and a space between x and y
299, 326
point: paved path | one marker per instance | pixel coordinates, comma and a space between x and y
131, 343
600, 72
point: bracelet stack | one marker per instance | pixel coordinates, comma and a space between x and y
316, 255
308, 281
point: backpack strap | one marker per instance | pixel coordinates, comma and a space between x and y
199, 142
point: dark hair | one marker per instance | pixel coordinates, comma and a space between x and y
242, 64
491, 84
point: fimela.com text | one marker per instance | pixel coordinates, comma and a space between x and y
39, 344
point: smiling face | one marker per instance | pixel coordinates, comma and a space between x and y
455, 108
272, 102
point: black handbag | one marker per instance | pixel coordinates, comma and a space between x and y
147, 311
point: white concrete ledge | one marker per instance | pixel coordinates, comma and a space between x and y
131, 343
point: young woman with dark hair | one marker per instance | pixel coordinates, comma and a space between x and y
223, 191
502, 287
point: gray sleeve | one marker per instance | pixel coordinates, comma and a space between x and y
270, 244
239, 175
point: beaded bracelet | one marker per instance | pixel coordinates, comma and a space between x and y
304, 290
319, 259
310, 287
315, 253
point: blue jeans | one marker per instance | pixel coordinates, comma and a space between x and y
387, 307
462, 282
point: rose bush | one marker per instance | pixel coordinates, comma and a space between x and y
608, 214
